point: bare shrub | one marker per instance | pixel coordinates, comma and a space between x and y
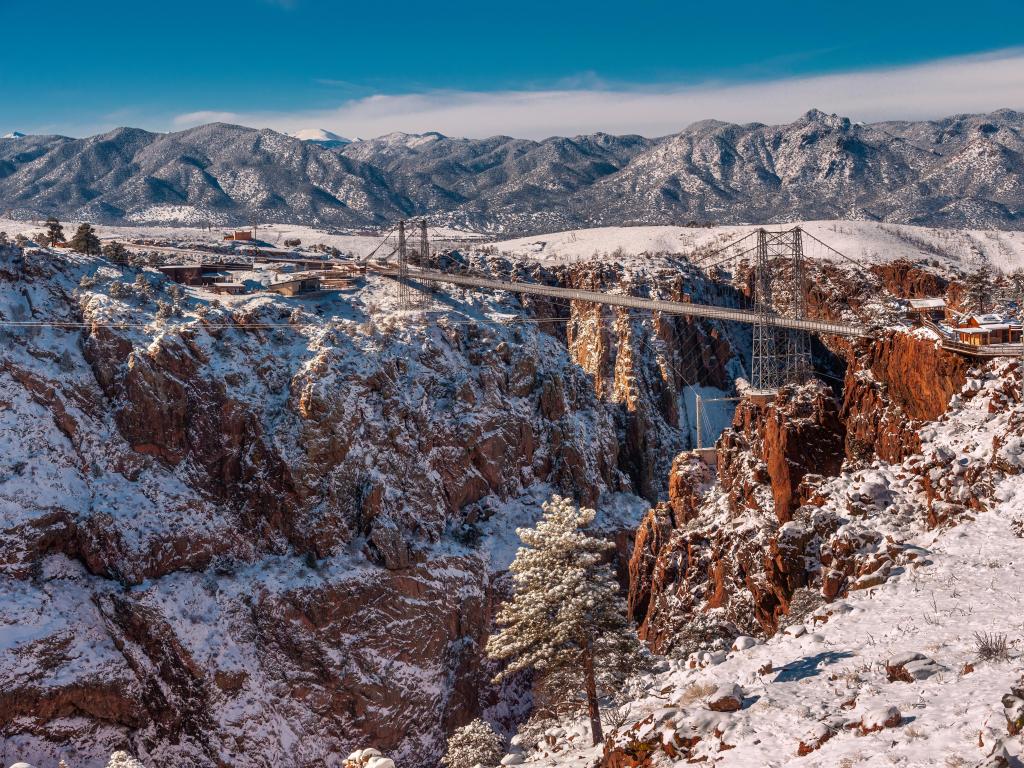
615, 719
991, 647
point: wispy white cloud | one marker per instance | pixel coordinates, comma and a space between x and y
965, 84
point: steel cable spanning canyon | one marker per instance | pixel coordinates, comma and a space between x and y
619, 300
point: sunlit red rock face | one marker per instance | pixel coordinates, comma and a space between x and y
732, 546
909, 281
894, 383
796, 433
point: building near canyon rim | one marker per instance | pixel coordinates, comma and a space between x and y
988, 329
932, 308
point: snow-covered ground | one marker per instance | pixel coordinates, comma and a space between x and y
825, 675
358, 244
864, 241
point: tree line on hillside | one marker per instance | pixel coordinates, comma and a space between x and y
84, 240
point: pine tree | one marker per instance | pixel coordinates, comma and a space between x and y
54, 231
86, 241
566, 620
115, 251
474, 744
978, 288
1015, 286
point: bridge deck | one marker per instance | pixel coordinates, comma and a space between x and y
620, 300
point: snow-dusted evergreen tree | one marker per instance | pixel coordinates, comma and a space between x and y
474, 744
566, 620
978, 288
85, 240
54, 231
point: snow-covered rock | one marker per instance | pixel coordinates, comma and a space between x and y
879, 718
911, 666
726, 698
124, 760
743, 642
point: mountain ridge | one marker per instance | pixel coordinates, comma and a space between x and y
957, 171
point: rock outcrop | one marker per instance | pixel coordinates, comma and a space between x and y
719, 558
907, 280
796, 433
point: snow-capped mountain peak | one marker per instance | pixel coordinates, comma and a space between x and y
13, 135
320, 136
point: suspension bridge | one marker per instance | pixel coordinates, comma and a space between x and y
780, 338
781, 341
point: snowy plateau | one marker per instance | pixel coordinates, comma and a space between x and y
263, 530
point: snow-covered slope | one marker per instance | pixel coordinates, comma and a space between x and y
867, 242
897, 672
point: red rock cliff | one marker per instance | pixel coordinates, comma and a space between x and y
893, 383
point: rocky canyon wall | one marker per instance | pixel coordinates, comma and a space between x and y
227, 532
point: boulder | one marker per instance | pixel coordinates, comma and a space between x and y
743, 642
911, 666
879, 718
1013, 709
814, 738
726, 698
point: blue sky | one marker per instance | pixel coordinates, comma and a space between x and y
78, 68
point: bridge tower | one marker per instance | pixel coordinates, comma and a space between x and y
408, 296
781, 355
404, 288
768, 363
798, 342
424, 259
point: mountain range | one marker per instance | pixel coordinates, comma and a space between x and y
962, 171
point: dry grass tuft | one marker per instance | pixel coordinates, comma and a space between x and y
696, 692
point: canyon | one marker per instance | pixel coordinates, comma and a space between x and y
264, 531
